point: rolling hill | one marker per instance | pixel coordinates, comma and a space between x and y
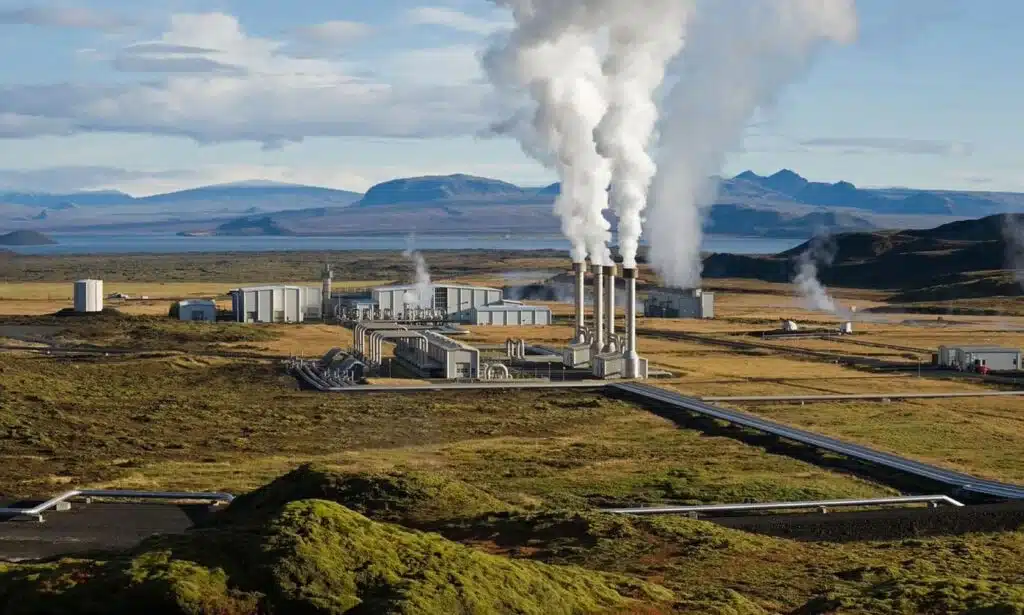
960, 259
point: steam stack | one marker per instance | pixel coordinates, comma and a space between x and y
632, 359
598, 341
609, 273
325, 297
579, 269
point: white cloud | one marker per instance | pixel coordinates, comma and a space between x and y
453, 19
333, 33
216, 83
61, 17
894, 145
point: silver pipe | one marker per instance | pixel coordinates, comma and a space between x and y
38, 510
672, 510
578, 270
609, 273
632, 358
598, 342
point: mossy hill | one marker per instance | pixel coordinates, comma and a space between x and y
960, 259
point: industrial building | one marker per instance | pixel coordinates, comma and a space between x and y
277, 303
88, 296
974, 358
510, 314
432, 355
679, 303
475, 305
197, 310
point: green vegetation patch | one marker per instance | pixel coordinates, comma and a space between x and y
316, 556
414, 499
899, 593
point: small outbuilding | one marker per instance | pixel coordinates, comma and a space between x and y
679, 303
197, 310
971, 358
509, 314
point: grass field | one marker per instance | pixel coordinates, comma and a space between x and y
531, 467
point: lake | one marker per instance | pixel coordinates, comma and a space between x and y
172, 244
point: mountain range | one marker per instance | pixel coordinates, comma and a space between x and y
784, 204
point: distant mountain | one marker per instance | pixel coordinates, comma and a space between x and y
63, 201
252, 226
25, 238
254, 192
435, 189
965, 258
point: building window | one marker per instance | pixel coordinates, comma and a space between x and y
278, 315
198, 316
441, 299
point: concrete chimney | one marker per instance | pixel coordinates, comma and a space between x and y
326, 304
579, 269
632, 358
609, 275
597, 346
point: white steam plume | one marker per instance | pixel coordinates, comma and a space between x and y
643, 37
421, 296
739, 55
811, 290
551, 53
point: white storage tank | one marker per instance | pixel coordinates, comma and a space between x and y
89, 296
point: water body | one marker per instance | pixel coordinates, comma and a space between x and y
68, 243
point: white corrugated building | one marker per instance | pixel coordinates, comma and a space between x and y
197, 310
510, 314
277, 303
89, 296
449, 299
972, 357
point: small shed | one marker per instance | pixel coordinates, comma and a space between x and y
197, 310
995, 358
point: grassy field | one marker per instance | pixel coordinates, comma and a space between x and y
516, 477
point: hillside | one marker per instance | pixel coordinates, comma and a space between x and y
960, 259
433, 189
25, 238
251, 226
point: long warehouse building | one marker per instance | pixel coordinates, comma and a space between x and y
473, 305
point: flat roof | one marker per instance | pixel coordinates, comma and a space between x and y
271, 287
982, 348
512, 307
205, 302
446, 342
404, 287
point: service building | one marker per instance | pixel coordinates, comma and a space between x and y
971, 357
276, 303
197, 310
679, 303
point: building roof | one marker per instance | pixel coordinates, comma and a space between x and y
511, 306
689, 292
202, 302
446, 342
272, 287
983, 348
404, 287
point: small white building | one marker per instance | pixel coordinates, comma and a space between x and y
276, 303
967, 358
197, 310
89, 296
679, 303
509, 314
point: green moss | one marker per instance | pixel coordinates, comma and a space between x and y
315, 556
415, 499
897, 593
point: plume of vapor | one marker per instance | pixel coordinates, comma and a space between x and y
1013, 236
421, 296
643, 37
551, 53
739, 55
811, 290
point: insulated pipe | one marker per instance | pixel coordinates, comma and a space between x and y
578, 270
598, 343
632, 358
609, 274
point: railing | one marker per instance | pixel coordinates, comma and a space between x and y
62, 499
822, 505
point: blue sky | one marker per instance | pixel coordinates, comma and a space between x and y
154, 96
